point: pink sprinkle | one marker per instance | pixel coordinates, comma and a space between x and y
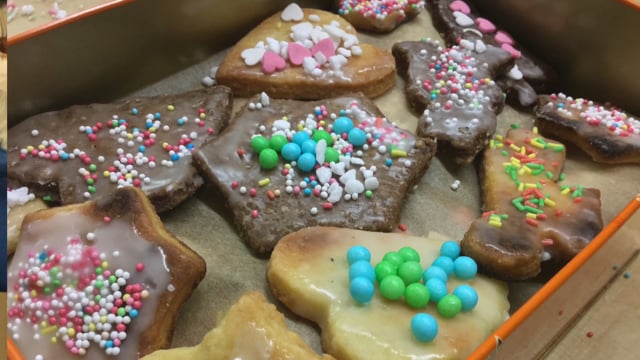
254, 213
139, 267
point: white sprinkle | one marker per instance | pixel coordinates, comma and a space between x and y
91, 236
314, 210
35, 132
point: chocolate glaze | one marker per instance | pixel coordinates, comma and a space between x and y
378, 22
536, 76
168, 186
596, 140
221, 165
514, 250
463, 129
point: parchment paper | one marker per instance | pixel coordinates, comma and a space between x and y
205, 225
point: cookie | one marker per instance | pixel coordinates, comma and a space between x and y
310, 273
459, 23
306, 54
606, 133
19, 203
283, 165
251, 329
529, 217
84, 151
378, 16
103, 279
453, 90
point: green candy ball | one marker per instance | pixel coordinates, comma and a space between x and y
322, 134
259, 143
392, 287
449, 306
410, 272
409, 254
384, 269
393, 257
416, 295
331, 155
268, 159
277, 142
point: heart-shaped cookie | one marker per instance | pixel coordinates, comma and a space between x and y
319, 56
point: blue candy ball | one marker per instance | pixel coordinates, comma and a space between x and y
468, 296
358, 252
291, 151
342, 125
357, 137
465, 267
434, 272
437, 289
308, 146
445, 263
300, 137
424, 327
362, 268
306, 162
361, 290
450, 249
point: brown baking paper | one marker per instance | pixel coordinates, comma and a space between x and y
204, 224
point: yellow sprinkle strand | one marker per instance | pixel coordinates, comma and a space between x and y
264, 182
549, 203
514, 147
48, 329
499, 137
565, 191
398, 153
495, 224
531, 216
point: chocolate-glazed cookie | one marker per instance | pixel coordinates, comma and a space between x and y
529, 216
453, 90
284, 165
81, 152
379, 16
459, 23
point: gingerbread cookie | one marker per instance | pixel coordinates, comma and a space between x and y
380, 16
306, 54
459, 23
252, 329
101, 279
454, 91
528, 216
283, 165
606, 133
76, 154
310, 272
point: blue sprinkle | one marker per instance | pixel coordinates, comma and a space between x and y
64, 156
627, 275
156, 116
175, 157
88, 130
307, 192
134, 111
190, 146
389, 162
142, 148
133, 313
181, 121
314, 183
121, 121
108, 344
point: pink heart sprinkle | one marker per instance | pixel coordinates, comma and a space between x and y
272, 62
485, 25
503, 38
511, 50
297, 53
459, 5
325, 46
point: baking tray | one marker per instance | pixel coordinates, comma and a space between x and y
232, 270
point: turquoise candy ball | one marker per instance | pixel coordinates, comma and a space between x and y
467, 295
424, 327
306, 162
268, 159
361, 290
445, 263
357, 137
358, 252
434, 272
362, 268
300, 137
291, 151
465, 268
450, 249
437, 289
308, 146
342, 125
